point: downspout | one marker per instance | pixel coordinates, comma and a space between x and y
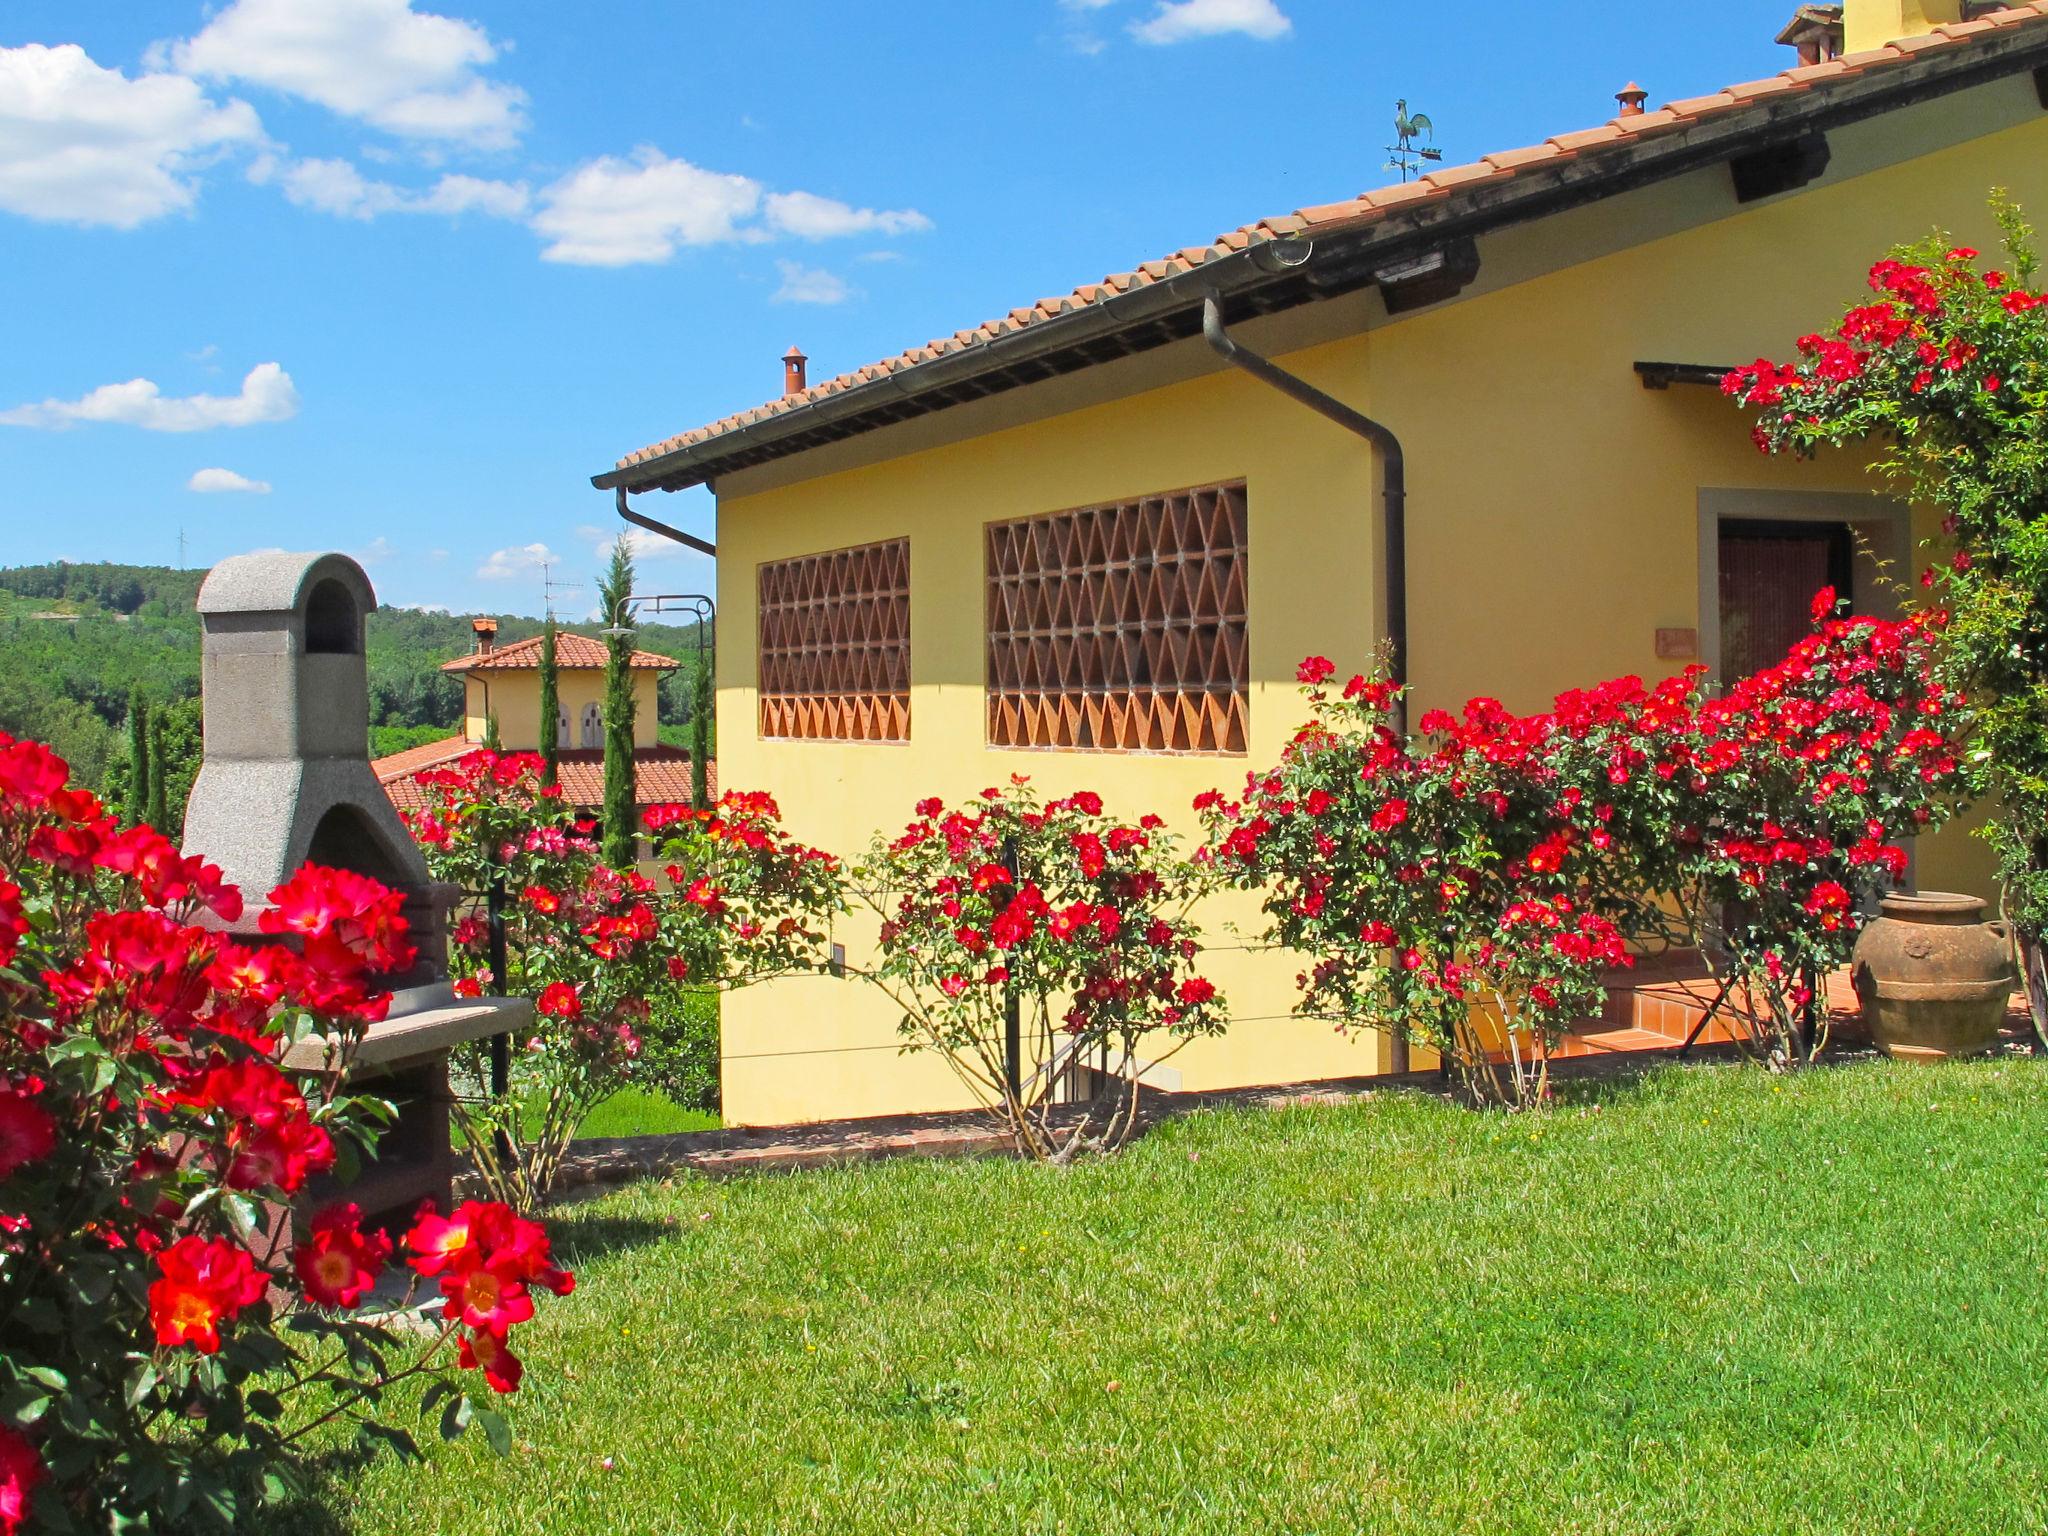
642, 520
1393, 474
1393, 496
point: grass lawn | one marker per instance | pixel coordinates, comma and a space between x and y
1708, 1301
636, 1112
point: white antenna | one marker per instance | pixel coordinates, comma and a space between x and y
550, 586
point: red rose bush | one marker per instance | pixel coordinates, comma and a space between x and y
623, 967
1055, 915
1476, 887
1940, 371
174, 1319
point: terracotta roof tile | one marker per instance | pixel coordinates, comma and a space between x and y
660, 774
573, 652
1515, 159
1774, 86
1585, 138
1368, 205
1649, 122
417, 759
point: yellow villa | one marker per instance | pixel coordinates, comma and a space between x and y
1471, 417
502, 683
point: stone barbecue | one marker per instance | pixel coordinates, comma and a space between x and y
286, 781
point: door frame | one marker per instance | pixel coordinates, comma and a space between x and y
1880, 557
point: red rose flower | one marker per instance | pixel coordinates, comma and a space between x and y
339, 1262
560, 1000
20, 1470
481, 1349
205, 1282
27, 1133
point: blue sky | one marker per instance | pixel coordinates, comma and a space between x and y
419, 269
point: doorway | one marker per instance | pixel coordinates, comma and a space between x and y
1770, 569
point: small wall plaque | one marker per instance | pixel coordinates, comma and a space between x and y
1678, 645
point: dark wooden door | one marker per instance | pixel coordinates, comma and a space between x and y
1769, 573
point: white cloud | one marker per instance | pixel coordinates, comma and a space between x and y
504, 564
84, 145
811, 217
643, 544
209, 480
267, 395
618, 212
1175, 21
408, 72
376, 552
614, 213
810, 285
337, 187
422, 607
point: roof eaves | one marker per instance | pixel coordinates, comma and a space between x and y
1504, 189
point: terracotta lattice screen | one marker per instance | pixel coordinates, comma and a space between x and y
1121, 628
835, 644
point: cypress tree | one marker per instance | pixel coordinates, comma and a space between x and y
701, 705
158, 812
492, 741
620, 831
138, 756
550, 709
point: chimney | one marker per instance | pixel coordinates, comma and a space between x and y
1816, 31
1632, 97
486, 635
1873, 23
793, 372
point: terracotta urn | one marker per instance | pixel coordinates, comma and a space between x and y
1934, 978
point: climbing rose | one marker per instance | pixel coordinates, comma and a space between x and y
206, 1281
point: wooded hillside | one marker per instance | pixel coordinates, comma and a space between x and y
77, 640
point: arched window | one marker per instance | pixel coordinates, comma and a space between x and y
593, 726
561, 725
333, 627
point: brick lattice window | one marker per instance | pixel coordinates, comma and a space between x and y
835, 644
1121, 628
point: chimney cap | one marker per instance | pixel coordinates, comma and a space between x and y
795, 355
484, 626
1631, 97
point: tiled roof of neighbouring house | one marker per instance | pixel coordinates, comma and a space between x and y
660, 774
1588, 156
573, 653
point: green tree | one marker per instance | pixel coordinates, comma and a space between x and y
492, 742
700, 737
550, 708
615, 590
157, 801
138, 756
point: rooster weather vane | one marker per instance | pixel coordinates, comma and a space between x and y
1408, 127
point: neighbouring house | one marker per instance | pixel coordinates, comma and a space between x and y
504, 682
1090, 540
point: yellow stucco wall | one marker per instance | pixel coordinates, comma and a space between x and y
1554, 526
515, 696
